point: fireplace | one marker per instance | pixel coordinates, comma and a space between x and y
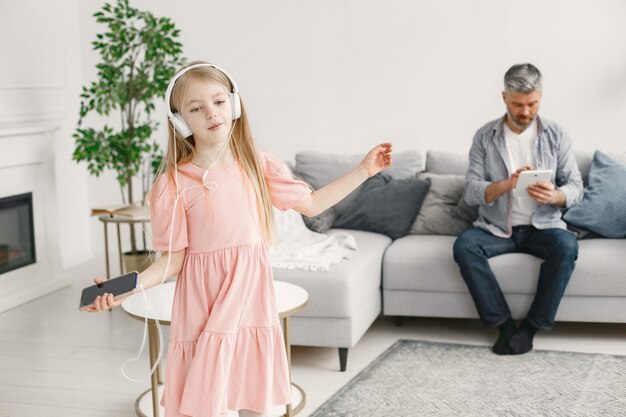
17, 234
30, 262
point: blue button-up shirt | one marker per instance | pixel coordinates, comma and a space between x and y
489, 162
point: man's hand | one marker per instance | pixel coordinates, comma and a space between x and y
545, 193
496, 189
515, 176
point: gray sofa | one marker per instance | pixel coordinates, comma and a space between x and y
416, 275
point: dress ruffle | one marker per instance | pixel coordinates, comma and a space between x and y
232, 357
255, 377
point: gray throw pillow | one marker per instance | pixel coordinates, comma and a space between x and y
444, 211
385, 205
584, 159
603, 207
319, 169
322, 222
450, 163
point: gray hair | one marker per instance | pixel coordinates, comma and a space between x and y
522, 78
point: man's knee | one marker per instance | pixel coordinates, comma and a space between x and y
562, 246
463, 245
567, 246
570, 250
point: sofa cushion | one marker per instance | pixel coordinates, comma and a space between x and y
444, 211
603, 207
386, 205
422, 263
319, 169
342, 289
440, 162
599, 268
425, 263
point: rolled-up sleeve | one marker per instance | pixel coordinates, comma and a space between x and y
568, 178
475, 182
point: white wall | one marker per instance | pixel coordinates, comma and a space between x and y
339, 76
39, 84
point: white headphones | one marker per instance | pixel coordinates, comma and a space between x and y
177, 119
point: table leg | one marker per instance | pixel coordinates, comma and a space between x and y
288, 349
153, 342
106, 249
119, 249
159, 371
143, 233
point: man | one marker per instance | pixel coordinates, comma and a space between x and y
511, 220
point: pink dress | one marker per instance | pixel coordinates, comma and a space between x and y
226, 349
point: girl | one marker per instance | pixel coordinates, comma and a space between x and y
211, 214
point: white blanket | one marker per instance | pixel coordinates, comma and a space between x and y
298, 247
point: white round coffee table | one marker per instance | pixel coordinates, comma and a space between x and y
289, 299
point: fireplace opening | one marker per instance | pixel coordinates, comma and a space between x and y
17, 234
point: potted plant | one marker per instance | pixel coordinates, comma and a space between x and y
139, 53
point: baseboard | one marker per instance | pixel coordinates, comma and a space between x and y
28, 293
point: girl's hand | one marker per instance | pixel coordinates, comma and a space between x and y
377, 159
102, 302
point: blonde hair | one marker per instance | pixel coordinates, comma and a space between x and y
241, 144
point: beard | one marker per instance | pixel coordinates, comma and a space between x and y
521, 122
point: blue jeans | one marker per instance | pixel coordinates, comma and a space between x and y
557, 247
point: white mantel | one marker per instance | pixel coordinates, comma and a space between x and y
27, 165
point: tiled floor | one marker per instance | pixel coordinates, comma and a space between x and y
56, 361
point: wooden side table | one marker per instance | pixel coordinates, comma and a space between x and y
290, 298
117, 221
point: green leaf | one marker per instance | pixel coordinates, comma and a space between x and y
139, 53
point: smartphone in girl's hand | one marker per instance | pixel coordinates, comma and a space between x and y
120, 287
